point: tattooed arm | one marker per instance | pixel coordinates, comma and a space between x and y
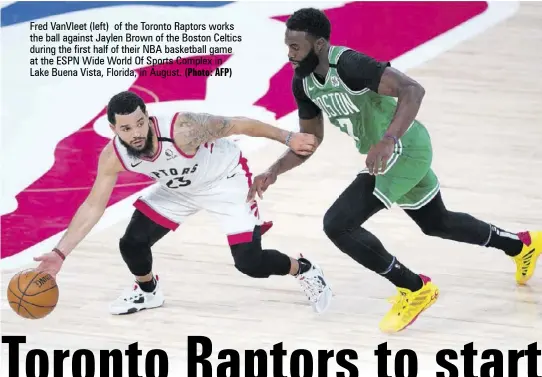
195, 129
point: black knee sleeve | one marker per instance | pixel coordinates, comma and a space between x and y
250, 259
136, 254
333, 226
353, 207
135, 246
342, 225
437, 227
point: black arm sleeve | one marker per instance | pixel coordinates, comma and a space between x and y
306, 109
359, 71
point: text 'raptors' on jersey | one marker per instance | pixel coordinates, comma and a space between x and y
216, 178
195, 164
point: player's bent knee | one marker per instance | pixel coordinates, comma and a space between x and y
251, 260
437, 227
136, 254
333, 226
248, 259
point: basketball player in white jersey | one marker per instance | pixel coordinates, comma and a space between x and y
196, 168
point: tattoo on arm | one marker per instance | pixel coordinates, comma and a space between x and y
194, 129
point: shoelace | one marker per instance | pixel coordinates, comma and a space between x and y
399, 301
129, 294
312, 286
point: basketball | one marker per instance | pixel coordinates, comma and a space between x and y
32, 294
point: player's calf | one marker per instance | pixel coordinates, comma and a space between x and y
135, 248
252, 260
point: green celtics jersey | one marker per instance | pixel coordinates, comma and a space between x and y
364, 115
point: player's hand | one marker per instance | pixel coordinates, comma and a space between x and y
260, 184
303, 144
378, 156
51, 263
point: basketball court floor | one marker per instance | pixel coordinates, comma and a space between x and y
482, 108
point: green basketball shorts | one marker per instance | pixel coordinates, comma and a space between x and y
408, 180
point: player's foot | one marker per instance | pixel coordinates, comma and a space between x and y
408, 305
526, 259
135, 300
315, 286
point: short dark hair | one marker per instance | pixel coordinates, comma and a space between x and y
124, 103
312, 21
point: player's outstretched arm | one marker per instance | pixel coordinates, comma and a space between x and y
88, 214
289, 160
311, 121
195, 129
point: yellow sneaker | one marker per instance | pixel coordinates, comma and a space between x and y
526, 259
408, 306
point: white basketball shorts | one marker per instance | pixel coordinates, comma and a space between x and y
226, 200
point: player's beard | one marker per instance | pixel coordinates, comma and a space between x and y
309, 63
146, 151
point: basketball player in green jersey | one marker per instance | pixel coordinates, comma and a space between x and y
356, 93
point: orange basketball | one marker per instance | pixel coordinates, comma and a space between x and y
32, 294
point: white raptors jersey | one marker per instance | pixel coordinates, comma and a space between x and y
175, 170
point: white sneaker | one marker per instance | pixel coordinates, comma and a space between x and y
316, 288
135, 300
